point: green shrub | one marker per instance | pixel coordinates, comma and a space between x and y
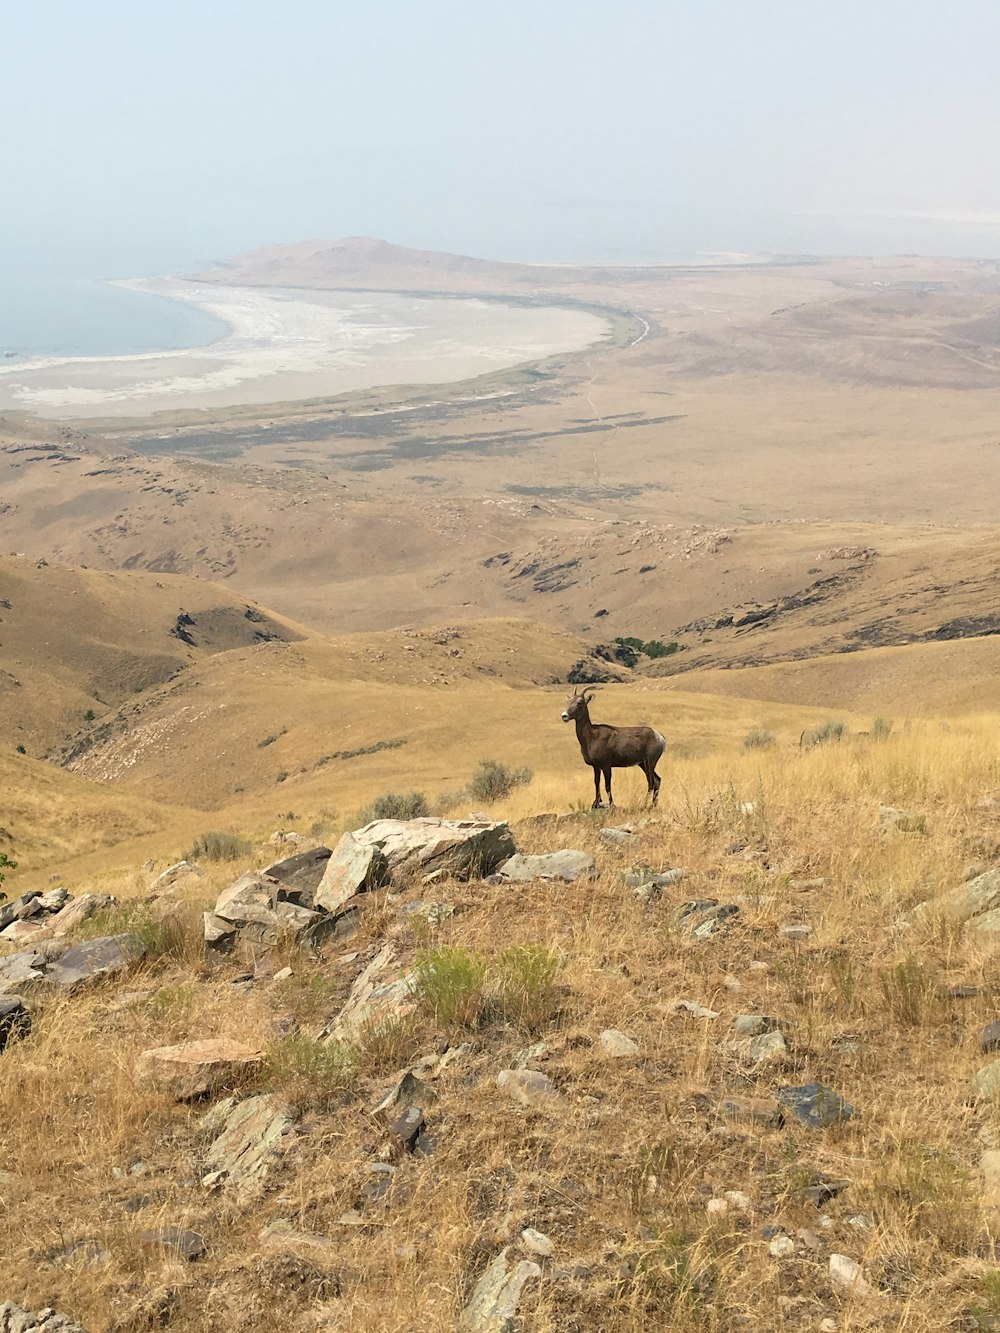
451, 983
89, 715
309, 1072
5, 864
20, 749
758, 739
394, 805
493, 781
524, 983
881, 729
218, 847
656, 648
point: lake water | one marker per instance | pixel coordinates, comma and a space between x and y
49, 316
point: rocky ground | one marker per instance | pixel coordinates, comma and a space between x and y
728, 1066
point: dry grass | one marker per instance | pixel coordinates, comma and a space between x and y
620, 1176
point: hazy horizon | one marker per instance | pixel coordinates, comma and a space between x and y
148, 141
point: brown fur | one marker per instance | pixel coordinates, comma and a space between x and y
605, 747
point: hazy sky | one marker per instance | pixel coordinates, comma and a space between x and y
141, 136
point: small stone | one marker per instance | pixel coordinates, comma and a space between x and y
901, 821
737, 1200
616, 1045
732, 983
815, 1105
810, 1240
535, 1242
283, 974
752, 1025
989, 1038
538, 1050
821, 1194
828, 1325
185, 1244
807, 885
795, 930
769, 1047
781, 1247
987, 1081
703, 917
962, 992
407, 1126
861, 1222
846, 1275
529, 1088
173, 874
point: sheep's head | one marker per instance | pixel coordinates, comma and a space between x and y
576, 704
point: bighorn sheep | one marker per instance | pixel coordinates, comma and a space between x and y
605, 748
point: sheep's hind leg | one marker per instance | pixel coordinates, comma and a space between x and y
607, 783
597, 789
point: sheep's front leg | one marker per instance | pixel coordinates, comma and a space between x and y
597, 788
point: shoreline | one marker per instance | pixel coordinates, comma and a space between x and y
288, 344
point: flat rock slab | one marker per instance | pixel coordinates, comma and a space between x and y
815, 1105
529, 1088
178, 1240
15, 1021
16, 1319
21, 932
174, 874
465, 848
380, 995
496, 1296
250, 1141
354, 867
195, 1068
93, 959
979, 898
565, 865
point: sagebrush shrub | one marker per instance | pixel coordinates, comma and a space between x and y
218, 847
394, 805
493, 781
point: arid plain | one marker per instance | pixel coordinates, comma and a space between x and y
260, 616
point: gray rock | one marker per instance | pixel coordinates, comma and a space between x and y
693, 1008
92, 959
619, 837
466, 848
529, 1088
845, 1275
21, 932
254, 906
409, 1091
815, 1105
354, 867
807, 885
769, 1047
752, 1025
761, 1112
703, 917
15, 1021
174, 874
178, 1240
616, 1045
979, 898
565, 865
406, 1128
16, 1319
536, 1242
496, 1296
781, 1247
300, 875
218, 933
250, 1141
381, 994
54, 900
987, 1082
795, 930
21, 972
989, 1038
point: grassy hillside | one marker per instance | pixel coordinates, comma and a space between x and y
618, 1174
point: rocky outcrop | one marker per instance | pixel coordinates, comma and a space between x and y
465, 848
40, 915
255, 908
381, 994
249, 1141
496, 1296
16, 1319
355, 867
